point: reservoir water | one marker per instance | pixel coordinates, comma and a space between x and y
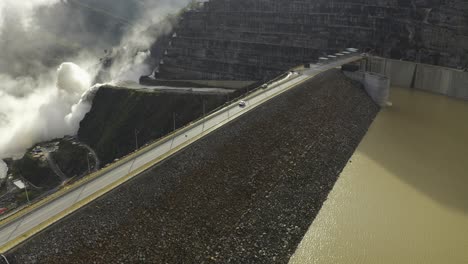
403, 197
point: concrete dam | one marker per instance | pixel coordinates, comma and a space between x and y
303, 167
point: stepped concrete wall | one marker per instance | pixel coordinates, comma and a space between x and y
376, 85
436, 79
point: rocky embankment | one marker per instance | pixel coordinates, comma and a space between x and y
118, 114
246, 193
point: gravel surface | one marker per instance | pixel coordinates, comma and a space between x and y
247, 193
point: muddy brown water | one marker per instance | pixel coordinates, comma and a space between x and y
403, 198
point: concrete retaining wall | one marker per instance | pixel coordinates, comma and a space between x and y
401, 73
459, 87
433, 79
355, 76
436, 79
376, 85
376, 64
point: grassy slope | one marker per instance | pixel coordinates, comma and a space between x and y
71, 159
35, 171
110, 126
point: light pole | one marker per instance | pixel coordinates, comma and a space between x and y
174, 128
136, 139
25, 187
204, 113
87, 159
26, 191
5, 259
204, 109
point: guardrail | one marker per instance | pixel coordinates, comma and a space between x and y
256, 95
135, 154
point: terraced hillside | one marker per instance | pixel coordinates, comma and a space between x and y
257, 39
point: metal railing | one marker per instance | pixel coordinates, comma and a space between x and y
62, 190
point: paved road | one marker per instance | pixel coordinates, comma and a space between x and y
20, 228
182, 90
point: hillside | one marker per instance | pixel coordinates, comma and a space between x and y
117, 114
257, 39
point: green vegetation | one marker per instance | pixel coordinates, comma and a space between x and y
109, 128
71, 159
21, 198
35, 171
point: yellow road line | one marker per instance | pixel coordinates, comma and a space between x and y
13, 243
94, 175
10, 245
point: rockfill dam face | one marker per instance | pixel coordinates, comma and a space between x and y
246, 193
